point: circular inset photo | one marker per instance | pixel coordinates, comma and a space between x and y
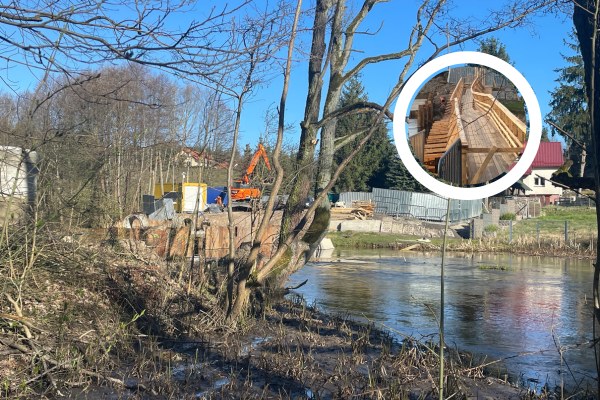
471, 129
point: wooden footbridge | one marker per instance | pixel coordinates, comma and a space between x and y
477, 139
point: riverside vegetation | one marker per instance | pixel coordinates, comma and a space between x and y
92, 318
581, 223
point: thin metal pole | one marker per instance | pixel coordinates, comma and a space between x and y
510, 231
442, 302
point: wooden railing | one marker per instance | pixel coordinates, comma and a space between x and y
425, 116
417, 142
511, 127
452, 165
458, 91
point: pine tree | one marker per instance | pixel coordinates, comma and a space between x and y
494, 47
569, 105
398, 177
378, 163
545, 137
362, 174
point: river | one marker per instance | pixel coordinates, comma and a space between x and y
505, 306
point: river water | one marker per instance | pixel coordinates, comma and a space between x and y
513, 307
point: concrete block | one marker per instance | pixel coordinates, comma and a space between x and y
387, 225
495, 216
477, 226
509, 207
488, 219
324, 250
325, 244
361, 226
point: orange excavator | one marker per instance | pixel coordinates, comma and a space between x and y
241, 189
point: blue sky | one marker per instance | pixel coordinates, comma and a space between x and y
534, 49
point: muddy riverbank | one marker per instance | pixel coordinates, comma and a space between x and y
294, 352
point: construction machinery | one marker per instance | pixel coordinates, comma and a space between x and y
242, 190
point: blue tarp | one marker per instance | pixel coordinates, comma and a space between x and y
213, 192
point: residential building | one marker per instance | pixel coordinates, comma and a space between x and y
547, 160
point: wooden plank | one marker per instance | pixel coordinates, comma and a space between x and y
463, 158
498, 149
483, 165
436, 146
412, 246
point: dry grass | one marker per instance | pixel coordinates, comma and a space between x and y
89, 320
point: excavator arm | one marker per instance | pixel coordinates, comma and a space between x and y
260, 152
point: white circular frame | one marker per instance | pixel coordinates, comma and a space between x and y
405, 100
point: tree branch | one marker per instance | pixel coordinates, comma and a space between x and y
355, 108
570, 136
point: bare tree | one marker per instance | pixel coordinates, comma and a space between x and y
431, 18
102, 128
249, 264
259, 38
67, 38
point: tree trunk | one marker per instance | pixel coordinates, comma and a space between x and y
230, 218
294, 210
583, 162
585, 18
250, 263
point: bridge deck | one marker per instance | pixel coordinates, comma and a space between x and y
481, 132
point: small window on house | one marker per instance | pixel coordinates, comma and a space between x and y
539, 181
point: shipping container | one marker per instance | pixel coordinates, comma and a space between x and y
184, 195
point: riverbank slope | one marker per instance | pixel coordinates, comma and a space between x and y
100, 321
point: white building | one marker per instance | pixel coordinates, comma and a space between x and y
18, 173
547, 160
18, 181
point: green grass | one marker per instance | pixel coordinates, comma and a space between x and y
498, 267
516, 107
582, 226
508, 217
491, 228
351, 239
581, 221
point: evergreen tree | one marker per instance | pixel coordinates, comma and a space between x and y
378, 163
362, 172
545, 137
398, 177
494, 47
569, 105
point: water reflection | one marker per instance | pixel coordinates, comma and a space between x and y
499, 305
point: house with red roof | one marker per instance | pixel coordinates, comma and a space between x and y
547, 160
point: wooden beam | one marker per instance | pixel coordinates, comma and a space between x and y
483, 165
498, 149
463, 159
